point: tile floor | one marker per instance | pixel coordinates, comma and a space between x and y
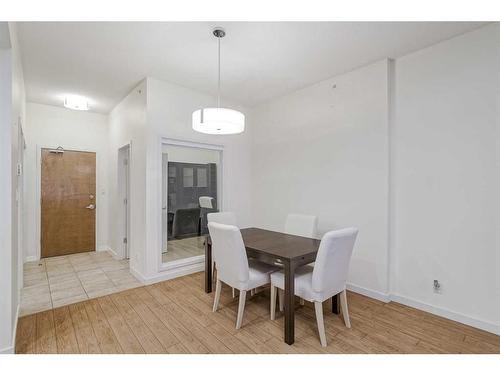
59, 281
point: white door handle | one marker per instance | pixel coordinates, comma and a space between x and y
90, 207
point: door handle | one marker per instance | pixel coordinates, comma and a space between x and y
90, 207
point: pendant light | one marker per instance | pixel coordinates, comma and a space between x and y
218, 120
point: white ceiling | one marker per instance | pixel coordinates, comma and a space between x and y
260, 60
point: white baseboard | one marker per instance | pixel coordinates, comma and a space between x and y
139, 276
368, 292
11, 349
7, 350
34, 258
113, 253
448, 314
31, 258
168, 274
103, 248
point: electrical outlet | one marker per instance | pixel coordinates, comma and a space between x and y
437, 287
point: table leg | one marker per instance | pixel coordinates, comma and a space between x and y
208, 266
289, 302
335, 304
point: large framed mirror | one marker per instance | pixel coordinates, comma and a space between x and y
191, 188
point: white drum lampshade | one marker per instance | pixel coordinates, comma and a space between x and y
218, 121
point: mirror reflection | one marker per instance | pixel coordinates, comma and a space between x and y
189, 192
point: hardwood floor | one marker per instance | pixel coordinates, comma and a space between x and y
176, 316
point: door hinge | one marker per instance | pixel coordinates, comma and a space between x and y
19, 169
124, 200
125, 240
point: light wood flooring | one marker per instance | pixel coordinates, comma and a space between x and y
184, 248
176, 316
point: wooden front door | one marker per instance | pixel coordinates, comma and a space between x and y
67, 202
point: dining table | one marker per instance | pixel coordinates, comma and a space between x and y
286, 251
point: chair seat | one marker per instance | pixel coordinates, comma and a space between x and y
303, 284
260, 273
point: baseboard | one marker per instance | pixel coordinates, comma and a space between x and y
368, 292
31, 258
448, 314
168, 274
103, 248
114, 254
12, 349
14, 334
7, 350
139, 276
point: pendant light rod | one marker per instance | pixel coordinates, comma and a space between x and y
218, 81
218, 120
219, 33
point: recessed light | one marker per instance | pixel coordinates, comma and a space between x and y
78, 103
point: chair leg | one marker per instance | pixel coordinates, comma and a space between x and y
273, 302
318, 306
343, 306
302, 302
234, 293
252, 292
241, 308
281, 299
218, 288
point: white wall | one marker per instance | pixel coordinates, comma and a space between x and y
127, 124
446, 175
324, 151
6, 269
169, 115
12, 106
49, 126
417, 141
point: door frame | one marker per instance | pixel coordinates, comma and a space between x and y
123, 188
21, 180
200, 259
38, 193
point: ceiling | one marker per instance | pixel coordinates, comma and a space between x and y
260, 60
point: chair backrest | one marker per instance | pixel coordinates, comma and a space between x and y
228, 248
332, 262
185, 222
227, 218
206, 202
302, 225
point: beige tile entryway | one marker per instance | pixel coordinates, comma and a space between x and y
59, 281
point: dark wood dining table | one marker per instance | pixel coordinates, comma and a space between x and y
275, 248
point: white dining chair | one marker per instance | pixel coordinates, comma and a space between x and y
228, 218
304, 226
206, 202
326, 279
233, 266
225, 217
